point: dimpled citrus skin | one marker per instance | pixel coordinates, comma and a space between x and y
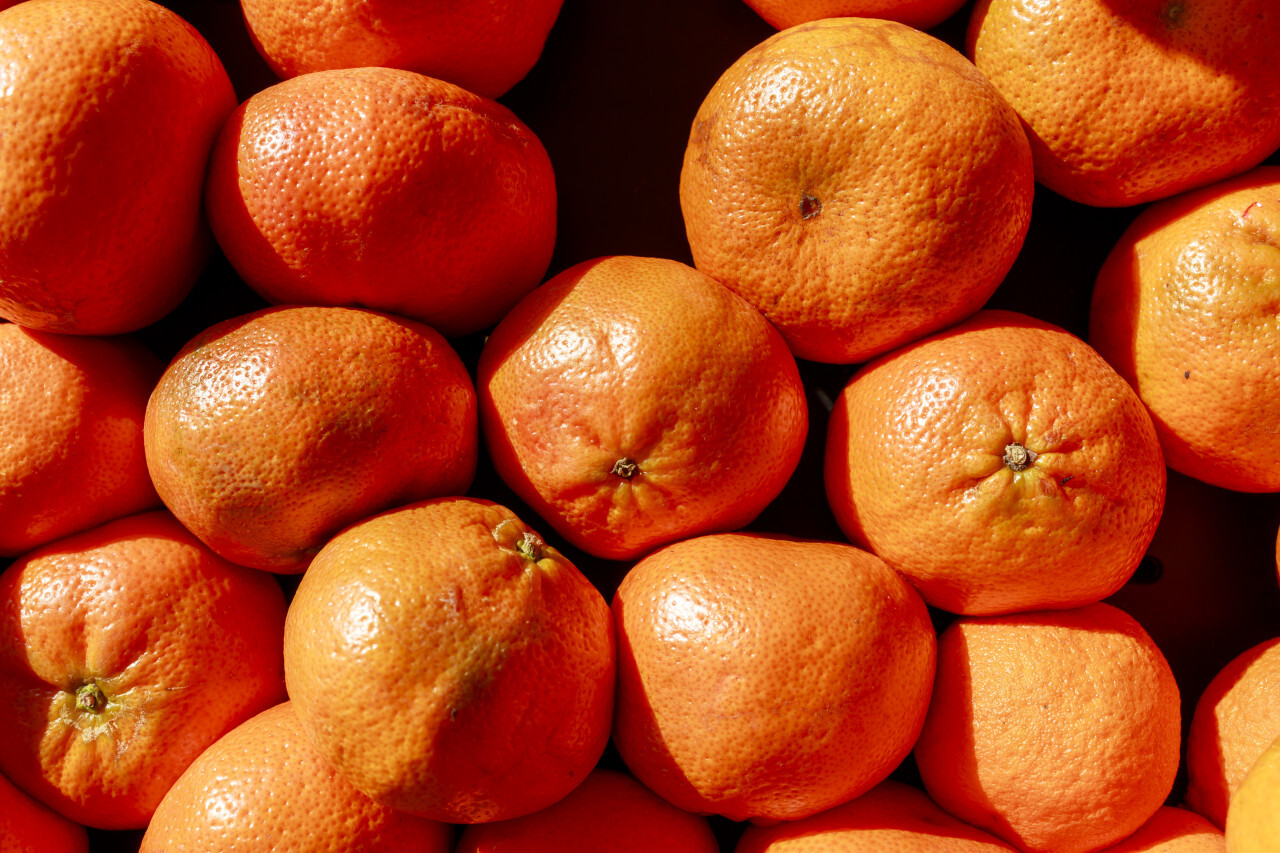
386, 189
1127, 102
890, 818
181, 645
26, 826
1253, 823
857, 181
1235, 720
1056, 730
764, 677
1173, 830
450, 664
608, 811
634, 401
86, 249
921, 14
71, 410
1185, 309
270, 432
263, 787
916, 470
485, 46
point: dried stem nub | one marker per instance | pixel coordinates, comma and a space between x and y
530, 547
1017, 457
89, 698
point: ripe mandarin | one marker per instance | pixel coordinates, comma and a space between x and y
71, 410
108, 110
486, 46
1174, 830
1184, 308
1130, 102
1236, 718
1001, 465
890, 818
859, 182
263, 787
1057, 730
634, 401
608, 811
451, 664
270, 432
1253, 822
386, 189
27, 826
124, 652
921, 14
767, 678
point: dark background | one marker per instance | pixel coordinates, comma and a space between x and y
612, 99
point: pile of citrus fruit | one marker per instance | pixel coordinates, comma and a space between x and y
526, 425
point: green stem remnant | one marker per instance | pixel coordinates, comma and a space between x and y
1017, 457
530, 547
89, 698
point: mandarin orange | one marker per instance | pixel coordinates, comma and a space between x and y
921, 14
1173, 830
386, 189
608, 811
124, 652
1253, 821
1056, 730
71, 410
108, 110
450, 664
1001, 465
890, 818
486, 46
27, 826
1128, 102
634, 401
1236, 718
1184, 308
270, 432
263, 787
859, 182
767, 678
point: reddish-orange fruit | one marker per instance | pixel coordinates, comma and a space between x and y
108, 109
763, 677
124, 652
385, 189
1235, 720
608, 811
1128, 103
921, 14
634, 401
890, 818
1001, 465
1253, 823
1185, 309
71, 412
270, 432
263, 787
450, 664
859, 182
27, 826
1173, 830
486, 46
1057, 730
